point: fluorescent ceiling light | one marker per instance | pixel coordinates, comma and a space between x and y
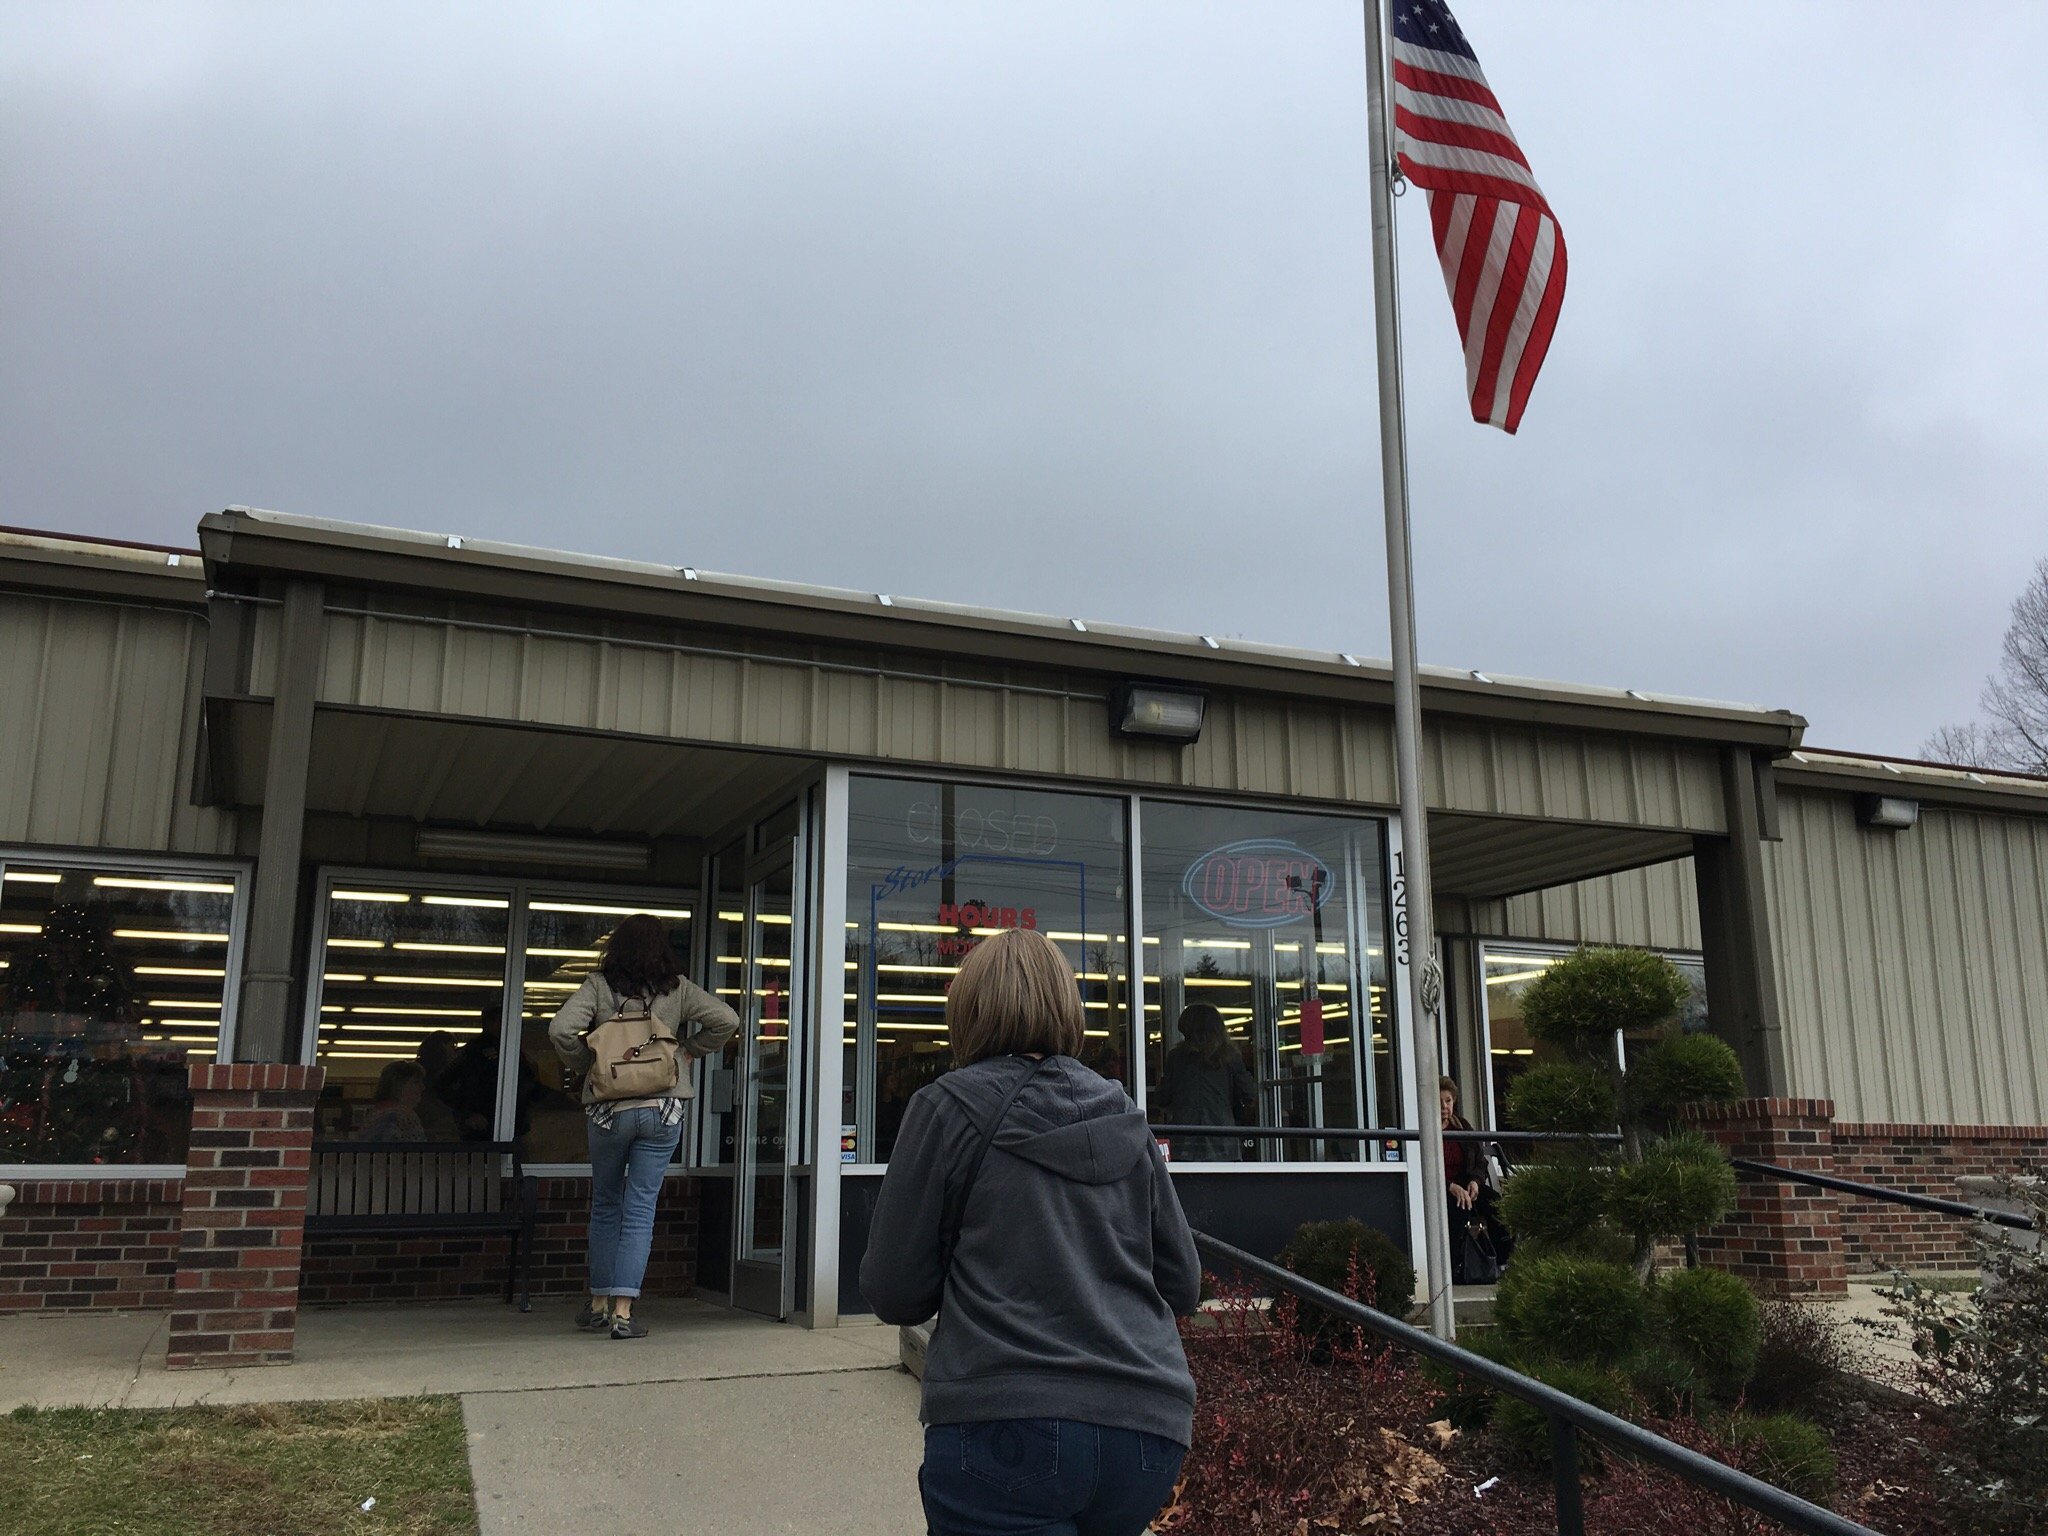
170, 935
34, 876
177, 970
466, 901
452, 949
355, 943
438, 981
574, 906
388, 896
519, 847
124, 883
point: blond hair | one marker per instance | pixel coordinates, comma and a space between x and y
1015, 995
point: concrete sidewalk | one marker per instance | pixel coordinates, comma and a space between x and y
716, 1419
110, 1360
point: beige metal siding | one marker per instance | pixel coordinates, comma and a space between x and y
1656, 907
1913, 966
779, 697
99, 710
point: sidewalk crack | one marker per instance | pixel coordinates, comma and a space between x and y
163, 1323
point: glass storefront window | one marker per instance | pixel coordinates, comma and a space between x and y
1271, 925
411, 1002
932, 869
1511, 1050
111, 981
411, 1011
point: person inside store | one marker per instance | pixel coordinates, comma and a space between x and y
1479, 1240
435, 1056
1027, 1205
1205, 1082
637, 991
394, 1115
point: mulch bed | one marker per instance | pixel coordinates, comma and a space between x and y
1304, 1436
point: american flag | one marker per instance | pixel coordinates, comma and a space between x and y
1501, 249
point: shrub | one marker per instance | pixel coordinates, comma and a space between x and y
1986, 1358
1802, 1358
1666, 1381
1578, 1003
1709, 1320
1682, 1184
1354, 1260
1681, 1070
1525, 1428
1559, 1096
1554, 1202
1562, 1304
1788, 1451
1466, 1403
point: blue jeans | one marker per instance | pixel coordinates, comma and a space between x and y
1044, 1477
626, 1165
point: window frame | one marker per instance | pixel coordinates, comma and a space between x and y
1133, 799
241, 871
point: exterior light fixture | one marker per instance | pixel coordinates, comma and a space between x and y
587, 853
1161, 714
1886, 813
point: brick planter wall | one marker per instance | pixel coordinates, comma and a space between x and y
1925, 1160
440, 1267
72, 1245
1785, 1239
244, 1214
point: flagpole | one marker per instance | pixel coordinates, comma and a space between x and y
1425, 974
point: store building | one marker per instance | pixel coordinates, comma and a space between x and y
331, 797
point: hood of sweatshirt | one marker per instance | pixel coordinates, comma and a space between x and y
1068, 1120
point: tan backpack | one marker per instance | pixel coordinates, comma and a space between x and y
634, 1054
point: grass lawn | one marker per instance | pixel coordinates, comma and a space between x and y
301, 1468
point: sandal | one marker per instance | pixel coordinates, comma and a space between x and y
593, 1318
628, 1328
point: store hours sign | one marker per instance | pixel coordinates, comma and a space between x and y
1258, 883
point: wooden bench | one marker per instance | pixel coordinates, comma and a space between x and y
399, 1187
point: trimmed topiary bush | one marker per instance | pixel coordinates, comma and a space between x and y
1555, 1202
1788, 1451
1559, 1304
1466, 1403
1579, 1003
1683, 1183
1681, 1070
1327, 1253
1525, 1429
1709, 1320
1561, 1096
1665, 1380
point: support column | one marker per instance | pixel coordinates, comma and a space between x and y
1785, 1239
263, 1024
236, 1298
1735, 929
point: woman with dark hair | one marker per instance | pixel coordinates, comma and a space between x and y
1477, 1235
633, 1139
1205, 1082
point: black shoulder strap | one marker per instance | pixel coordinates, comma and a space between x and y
949, 1231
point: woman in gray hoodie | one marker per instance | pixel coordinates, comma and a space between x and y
1027, 1205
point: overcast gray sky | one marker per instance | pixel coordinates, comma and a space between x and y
1065, 306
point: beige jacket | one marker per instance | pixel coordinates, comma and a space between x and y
699, 1020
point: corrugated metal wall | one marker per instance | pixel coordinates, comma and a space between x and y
778, 698
1913, 966
99, 711
1657, 907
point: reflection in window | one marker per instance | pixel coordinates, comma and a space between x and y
1270, 924
412, 975
932, 869
111, 981
1511, 1049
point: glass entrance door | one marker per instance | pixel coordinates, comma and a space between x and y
762, 1279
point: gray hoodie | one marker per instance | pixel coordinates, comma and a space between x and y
1071, 1262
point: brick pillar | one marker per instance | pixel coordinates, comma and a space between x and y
236, 1300
1785, 1239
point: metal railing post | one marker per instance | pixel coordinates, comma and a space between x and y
1564, 1471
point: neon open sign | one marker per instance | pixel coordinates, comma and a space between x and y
1261, 882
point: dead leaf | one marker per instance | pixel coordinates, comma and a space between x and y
1445, 1433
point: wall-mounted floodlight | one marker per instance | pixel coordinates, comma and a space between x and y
1888, 813
1162, 714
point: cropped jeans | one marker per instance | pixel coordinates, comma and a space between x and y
626, 1165
1044, 1477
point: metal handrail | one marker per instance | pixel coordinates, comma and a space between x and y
1567, 1415
1880, 1192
